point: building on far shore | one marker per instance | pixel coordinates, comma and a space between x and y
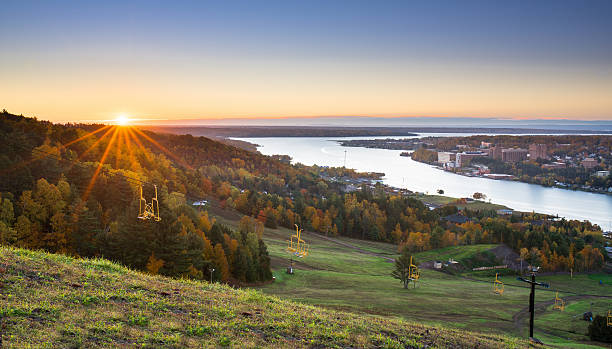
554, 165
466, 156
538, 151
498, 176
445, 156
514, 154
589, 163
602, 173
495, 152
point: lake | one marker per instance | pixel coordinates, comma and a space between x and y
403, 172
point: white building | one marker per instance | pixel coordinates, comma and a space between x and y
445, 156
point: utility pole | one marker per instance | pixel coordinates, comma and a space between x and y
211, 274
345, 159
290, 269
533, 283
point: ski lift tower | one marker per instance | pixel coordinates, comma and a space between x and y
533, 283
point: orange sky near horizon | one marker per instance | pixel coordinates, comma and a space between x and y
87, 91
88, 62
176, 95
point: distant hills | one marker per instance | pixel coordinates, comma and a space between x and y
411, 124
319, 131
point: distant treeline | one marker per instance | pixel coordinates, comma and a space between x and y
335, 131
282, 131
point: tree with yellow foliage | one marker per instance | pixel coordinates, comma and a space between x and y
154, 264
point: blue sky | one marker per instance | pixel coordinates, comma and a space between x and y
80, 60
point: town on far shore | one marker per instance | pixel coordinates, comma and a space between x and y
453, 160
574, 162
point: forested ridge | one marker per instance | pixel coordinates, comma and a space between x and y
80, 207
56, 206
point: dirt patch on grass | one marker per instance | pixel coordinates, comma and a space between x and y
507, 256
215, 209
346, 244
278, 262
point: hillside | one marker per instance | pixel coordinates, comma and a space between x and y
51, 300
354, 275
79, 189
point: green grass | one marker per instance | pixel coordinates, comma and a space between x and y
337, 277
455, 252
568, 323
578, 284
51, 301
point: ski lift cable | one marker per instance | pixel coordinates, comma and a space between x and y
139, 181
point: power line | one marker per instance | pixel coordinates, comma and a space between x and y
211, 204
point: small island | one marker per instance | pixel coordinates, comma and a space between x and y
387, 143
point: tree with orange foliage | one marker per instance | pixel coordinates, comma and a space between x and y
449, 239
221, 262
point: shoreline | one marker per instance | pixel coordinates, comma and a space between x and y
514, 179
603, 222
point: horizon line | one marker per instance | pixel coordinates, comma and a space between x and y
323, 117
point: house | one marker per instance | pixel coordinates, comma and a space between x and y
200, 203
431, 206
589, 163
349, 188
602, 173
504, 212
437, 265
450, 262
456, 218
538, 222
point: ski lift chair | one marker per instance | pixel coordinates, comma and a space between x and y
498, 286
149, 210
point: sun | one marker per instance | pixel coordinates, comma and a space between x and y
122, 120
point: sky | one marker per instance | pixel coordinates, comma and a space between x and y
169, 60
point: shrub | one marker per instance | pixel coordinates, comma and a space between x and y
599, 330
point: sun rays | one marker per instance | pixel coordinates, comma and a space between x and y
122, 142
100, 164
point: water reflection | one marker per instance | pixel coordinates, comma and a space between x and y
405, 173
